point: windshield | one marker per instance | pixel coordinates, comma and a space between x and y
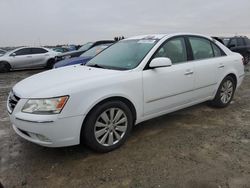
94, 51
86, 46
124, 55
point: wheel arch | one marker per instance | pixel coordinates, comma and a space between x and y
111, 98
50, 62
6, 63
9, 67
232, 75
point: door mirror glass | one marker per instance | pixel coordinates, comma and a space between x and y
13, 54
160, 62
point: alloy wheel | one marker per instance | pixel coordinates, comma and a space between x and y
226, 91
111, 126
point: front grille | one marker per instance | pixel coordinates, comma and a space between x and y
12, 101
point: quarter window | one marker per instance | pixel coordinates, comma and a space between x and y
201, 48
217, 51
174, 49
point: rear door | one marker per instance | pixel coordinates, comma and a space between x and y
39, 57
21, 58
207, 64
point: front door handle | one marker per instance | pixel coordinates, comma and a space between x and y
29, 56
189, 72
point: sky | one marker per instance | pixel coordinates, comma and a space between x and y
52, 22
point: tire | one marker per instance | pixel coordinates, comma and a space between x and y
246, 59
98, 131
224, 93
4, 67
50, 64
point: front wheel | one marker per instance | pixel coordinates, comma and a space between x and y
107, 126
225, 93
4, 67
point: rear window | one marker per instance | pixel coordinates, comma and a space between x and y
217, 51
38, 51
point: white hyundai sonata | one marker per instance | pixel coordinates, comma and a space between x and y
132, 81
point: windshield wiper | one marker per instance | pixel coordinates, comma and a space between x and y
96, 65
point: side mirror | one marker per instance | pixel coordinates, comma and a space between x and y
160, 62
13, 54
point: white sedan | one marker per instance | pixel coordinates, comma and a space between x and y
132, 81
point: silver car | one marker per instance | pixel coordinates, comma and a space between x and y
27, 58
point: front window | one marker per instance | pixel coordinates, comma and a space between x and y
124, 55
86, 46
173, 49
23, 51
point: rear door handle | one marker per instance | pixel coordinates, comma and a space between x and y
189, 72
29, 56
221, 66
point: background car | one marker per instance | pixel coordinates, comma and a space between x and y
60, 49
26, 58
82, 49
2, 52
240, 44
84, 58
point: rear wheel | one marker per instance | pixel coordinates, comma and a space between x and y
50, 64
4, 67
107, 126
225, 92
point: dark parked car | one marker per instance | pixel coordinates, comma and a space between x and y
61, 49
240, 44
2, 52
84, 58
84, 48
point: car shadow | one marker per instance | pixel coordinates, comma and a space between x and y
81, 151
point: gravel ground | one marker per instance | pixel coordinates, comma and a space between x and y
195, 147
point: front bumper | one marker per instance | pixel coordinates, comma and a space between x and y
46, 130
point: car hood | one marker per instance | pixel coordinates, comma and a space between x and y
72, 61
63, 81
71, 53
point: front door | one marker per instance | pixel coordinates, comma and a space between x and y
169, 87
21, 58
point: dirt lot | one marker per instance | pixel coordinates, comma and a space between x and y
196, 147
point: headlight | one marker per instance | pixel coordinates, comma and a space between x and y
45, 106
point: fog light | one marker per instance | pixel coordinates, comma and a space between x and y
42, 138
39, 137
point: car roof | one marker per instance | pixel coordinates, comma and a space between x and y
19, 48
160, 36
